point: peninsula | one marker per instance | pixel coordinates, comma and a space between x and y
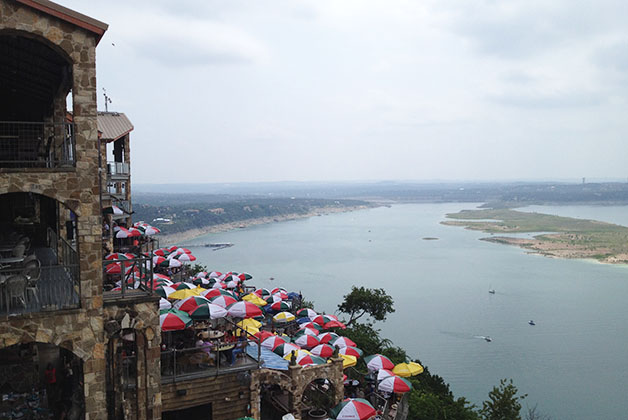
559, 237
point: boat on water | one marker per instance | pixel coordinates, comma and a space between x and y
491, 291
531, 322
488, 339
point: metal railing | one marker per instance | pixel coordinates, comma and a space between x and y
122, 276
37, 144
118, 168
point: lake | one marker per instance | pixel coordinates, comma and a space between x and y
573, 363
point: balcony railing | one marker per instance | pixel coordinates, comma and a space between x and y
37, 145
128, 276
118, 169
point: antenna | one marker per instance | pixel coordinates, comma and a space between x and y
107, 99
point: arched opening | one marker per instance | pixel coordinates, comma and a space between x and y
35, 80
121, 356
39, 261
317, 399
41, 380
275, 401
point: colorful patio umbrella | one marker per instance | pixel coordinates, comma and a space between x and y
344, 342
277, 290
185, 285
311, 325
353, 409
249, 323
322, 350
263, 293
307, 341
285, 348
375, 362
208, 311
254, 299
305, 358
351, 351
173, 320
284, 317
394, 384
214, 274
263, 335
328, 337
335, 324
245, 276
212, 293
243, 309
185, 257
348, 361
224, 301
307, 312
384, 373
164, 291
190, 303
407, 369
115, 210
164, 304
120, 256
184, 293
272, 342
307, 331
280, 306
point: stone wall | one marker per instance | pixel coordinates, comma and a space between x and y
80, 331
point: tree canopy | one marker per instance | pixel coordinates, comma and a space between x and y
503, 402
362, 301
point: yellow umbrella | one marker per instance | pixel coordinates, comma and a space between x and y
407, 369
249, 329
184, 293
348, 360
249, 322
255, 300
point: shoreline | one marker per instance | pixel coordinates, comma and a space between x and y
190, 234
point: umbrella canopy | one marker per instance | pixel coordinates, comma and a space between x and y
281, 295
307, 331
351, 351
185, 285
164, 304
184, 293
348, 361
263, 293
328, 337
322, 350
184, 257
173, 320
335, 324
122, 232
164, 291
322, 319
353, 409
245, 276
212, 293
223, 300
284, 317
254, 299
115, 210
384, 373
394, 384
248, 323
311, 325
345, 342
263, 335
120, 256
375, 362
214, 274
307, 313
207, 311
307, 341
285, 348
273, 342
190, 303
408, 369
280, 306
243, 309
278, 289
305, 358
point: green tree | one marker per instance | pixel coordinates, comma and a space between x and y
362, 301
503, 402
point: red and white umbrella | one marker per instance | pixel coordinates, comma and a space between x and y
165, 291
334, 324
208, 311
307, 313
384, 373
304, 358
376, 362
185, 257
164, 304
285, 348
351, 351
345, 342
215, 274
281, 295
174, 320
243, 309
328, 337
277, 290
120, 256
353, 409
394, 384
307, 341
272, 342
224, 301
323, 350
190, 303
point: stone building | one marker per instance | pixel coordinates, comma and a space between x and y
65, 342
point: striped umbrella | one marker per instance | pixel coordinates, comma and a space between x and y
277, 290
335, 324
307, 312
184, 257
348, 361
312, 325
307, 331
285, 348
272, 342
164, 304
190, 303
254, 299
351, 351
214, 274
353, 409
394, 384
263, 335
245, 276
281, 295
345, 342
208, 311
322, 319
120, 256
323, 350
284, 317
376, 362
263, 293
223, 300
164, 291
243, 309
212, 293
280, 306
184, 293
305, 358
328, 337
185, 285
307, 341
384, 373
173, 320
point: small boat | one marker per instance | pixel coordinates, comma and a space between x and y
491, 291
531, 322
488, 339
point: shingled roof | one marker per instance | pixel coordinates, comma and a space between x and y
113, 125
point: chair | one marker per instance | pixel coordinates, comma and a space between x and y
32, 275
16, 289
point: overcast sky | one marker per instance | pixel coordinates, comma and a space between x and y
261, 90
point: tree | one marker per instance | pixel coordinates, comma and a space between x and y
503, 402
362, 301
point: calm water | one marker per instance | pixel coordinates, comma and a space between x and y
573, 363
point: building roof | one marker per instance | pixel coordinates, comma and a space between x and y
68, 15
113, 125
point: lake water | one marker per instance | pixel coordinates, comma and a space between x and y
573, 363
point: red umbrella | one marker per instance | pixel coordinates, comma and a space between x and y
272, 342
345, 342
224, 301
323, 350
243, 309
263, 335
394, 384
190, 303
353, 409
173, 320
307, 341
335, 324
328, 337
351, 351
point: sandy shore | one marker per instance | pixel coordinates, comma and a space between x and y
179, 237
